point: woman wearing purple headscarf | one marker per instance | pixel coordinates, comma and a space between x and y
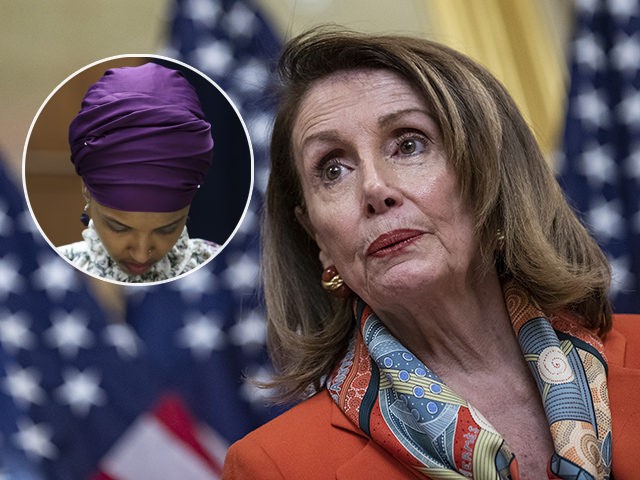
142, 147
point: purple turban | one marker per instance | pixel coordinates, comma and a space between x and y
140, 141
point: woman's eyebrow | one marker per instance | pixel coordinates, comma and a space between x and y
385, 120
175, 222
171, 224
113, 220
323, 136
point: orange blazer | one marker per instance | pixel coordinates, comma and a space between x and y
315, 441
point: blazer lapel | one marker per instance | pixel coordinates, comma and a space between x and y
372, 461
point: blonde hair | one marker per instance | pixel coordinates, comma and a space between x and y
501, 173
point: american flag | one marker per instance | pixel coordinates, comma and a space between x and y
163, 394
600, 168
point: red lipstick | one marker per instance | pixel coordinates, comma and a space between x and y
392, 242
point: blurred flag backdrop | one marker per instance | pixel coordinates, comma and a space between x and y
162, 395
600, 169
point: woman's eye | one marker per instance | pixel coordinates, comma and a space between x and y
411, 145
408, 146
332, 172
117, 229
329, 170
167, 230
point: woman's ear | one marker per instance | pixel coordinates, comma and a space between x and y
325, 260
85, 193
303, 219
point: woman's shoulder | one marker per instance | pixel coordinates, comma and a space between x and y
314, 440
622, 347
310, 420
303, 442
622, 343
627, 323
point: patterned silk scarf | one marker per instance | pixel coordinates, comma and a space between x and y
404, 407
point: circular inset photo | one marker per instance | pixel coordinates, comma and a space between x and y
138, 169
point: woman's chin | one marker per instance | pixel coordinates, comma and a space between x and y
399, 279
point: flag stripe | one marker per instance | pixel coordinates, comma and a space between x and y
149, 450
176, 419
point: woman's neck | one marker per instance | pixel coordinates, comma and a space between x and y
463, 328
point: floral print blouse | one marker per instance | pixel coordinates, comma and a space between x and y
91, 257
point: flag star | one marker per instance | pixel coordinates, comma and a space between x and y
81, 391
35, 439
588, 6
588, 50
15, 332
260, 129
626, 52
250, 331
202, 11
606, 219
242, 273
24, 386
252, 76
193, 286
10, 280
201, 334
621, 277
623, 8
28, 225
598, 166
214, 56
251, 392
68, 333
123, 338
55, 277
629, 108
262, 179
6, 222
592, 108
137, 294
248, 224
171, 51
239, 21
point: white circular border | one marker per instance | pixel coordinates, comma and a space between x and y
166, 59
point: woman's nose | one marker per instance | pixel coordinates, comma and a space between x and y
141, 249
379, 188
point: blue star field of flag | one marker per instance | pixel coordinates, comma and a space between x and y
62, 371
600, 169
71, 379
